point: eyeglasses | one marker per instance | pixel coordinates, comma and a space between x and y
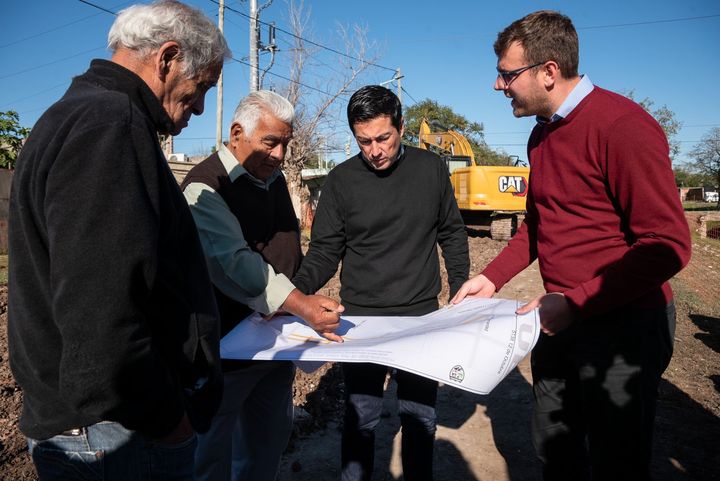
508, 76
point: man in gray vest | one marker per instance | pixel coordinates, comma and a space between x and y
251, 238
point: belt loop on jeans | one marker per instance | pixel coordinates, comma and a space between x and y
74, 432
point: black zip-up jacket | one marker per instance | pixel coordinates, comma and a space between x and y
111, 310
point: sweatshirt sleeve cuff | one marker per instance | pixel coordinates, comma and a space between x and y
278, 289
496, 277
577, 299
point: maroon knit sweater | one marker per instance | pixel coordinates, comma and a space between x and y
604, 217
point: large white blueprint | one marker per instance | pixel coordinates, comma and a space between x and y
472, 345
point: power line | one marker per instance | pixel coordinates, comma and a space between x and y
59, 27
293, 81
307, 72
97, 6
408, 94
650, 22
236, 24
49, 63
313, 59
55, 61
33, 95
338, 52
48, 31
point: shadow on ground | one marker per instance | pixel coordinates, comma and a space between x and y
681, 452
477, 231
711, 330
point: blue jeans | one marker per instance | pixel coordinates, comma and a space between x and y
417, 395
106, 451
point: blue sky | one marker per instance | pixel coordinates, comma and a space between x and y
662, 49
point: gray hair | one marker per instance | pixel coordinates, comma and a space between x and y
251, 107
145, 28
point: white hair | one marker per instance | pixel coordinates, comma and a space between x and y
145, 28
252, 106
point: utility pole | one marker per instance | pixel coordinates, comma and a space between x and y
399, 81
398, 76
254, 60
166, 144
218, 119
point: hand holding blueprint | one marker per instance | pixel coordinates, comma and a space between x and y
472, 345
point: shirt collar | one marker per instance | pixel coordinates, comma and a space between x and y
235, 170
577, 94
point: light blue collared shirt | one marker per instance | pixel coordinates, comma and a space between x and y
579, 92
239, 272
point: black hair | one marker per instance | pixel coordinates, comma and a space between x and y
373, 101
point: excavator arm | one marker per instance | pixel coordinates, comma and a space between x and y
449, 142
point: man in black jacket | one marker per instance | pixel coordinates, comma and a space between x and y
383, 213
113, 327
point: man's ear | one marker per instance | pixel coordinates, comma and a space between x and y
402, 126
551, 73
236, 132
166, 58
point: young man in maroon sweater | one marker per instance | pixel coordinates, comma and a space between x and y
605, 222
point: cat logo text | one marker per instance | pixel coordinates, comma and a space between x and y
513, 184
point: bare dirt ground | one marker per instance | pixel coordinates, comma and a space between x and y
485, 437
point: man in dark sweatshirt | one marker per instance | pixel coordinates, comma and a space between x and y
113, 329
605, 222
383, 213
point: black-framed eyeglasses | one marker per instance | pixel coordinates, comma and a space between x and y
508, 76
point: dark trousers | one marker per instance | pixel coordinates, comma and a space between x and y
595, 388
363, 405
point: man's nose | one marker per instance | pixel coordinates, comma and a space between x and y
198, 107
278, 152
499, 84
375, 149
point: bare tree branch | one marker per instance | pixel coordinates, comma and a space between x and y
316, 119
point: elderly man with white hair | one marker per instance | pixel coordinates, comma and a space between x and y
251, 239
113, 328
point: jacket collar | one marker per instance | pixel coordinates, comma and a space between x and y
116, 77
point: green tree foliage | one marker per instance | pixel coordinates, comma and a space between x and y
446, 119
686, 176
666, 118
11, 138
316, 160
706, 156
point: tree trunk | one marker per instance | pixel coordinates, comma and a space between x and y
294, 183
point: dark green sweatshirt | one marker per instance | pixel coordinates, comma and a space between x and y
385, 227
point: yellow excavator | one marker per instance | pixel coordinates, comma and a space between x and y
485, 194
